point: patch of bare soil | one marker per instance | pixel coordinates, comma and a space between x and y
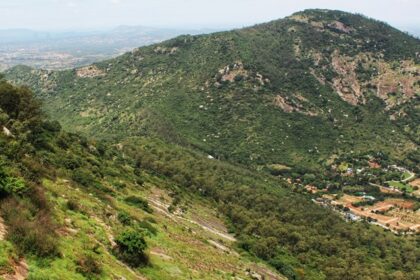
289, 105
339, 26
396, 84
89, 72
261, 272
229, 73
159, 252
20, 269
3, 229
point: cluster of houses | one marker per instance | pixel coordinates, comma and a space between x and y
351, 213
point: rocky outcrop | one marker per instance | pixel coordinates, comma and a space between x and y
295, 104
91, 71
7, 132
346, 83
339, 26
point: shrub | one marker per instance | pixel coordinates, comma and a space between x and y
9, 184
72, 205
83, 177
131, 247
139, 203
148, 226
33, 234
12, 185
124, 218
88, 266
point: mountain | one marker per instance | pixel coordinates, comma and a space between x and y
292, 91
192, 125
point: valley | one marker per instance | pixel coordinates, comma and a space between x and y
71, 49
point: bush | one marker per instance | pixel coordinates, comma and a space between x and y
34, 234
72, 205
131, 247
88, 266
12, 185
139, 203
9, 184
83, 177
148, 226
124, 218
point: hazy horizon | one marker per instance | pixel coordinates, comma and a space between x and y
79, 15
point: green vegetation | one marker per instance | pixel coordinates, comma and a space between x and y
131, 247
401, 186
187, 116
180, 91
138, 202
73, 208
275, 224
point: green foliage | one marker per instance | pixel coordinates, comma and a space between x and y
11, 185
238, 121
277, 225
139, 203
124, 218
84, 177
33, 233
148, 227
131, 248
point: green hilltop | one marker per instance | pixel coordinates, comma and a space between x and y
291, 91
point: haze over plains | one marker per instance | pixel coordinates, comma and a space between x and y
96, 14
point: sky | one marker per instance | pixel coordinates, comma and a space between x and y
95, 14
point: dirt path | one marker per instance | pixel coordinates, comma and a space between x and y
222, 247
160, 253
108, 231
3, 229
161, 207
412, 175
21, 271
20, 268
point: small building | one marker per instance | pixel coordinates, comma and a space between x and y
369, 197
352, 217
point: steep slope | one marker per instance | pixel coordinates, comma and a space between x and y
293, 91
76, 209
69, 207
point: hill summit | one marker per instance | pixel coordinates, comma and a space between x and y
291, 91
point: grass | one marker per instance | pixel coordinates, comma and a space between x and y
401, 186
406, 175
183, 242
6, 252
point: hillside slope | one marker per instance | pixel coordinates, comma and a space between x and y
70, 208
144, 209
292, 91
